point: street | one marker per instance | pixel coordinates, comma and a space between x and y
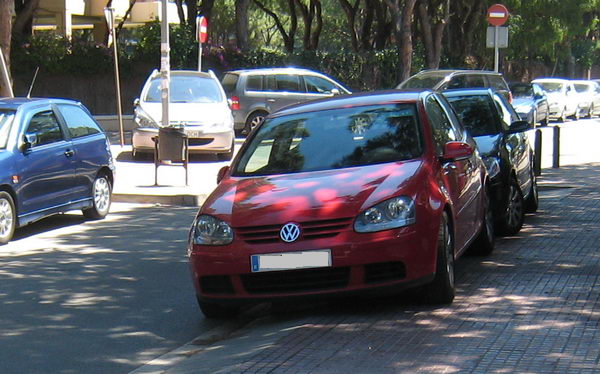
111, 296
97, 297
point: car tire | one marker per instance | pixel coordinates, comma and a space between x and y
544, 122
575, 116
485, 240
228, 155
217, 311
561, 116
101, 198
441, 290
254, 120
532, 201
590, 111
8, 217
513, 214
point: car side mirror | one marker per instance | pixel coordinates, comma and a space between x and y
454, 151
335, 91
29, 140
519, 126
136, 102
223, 172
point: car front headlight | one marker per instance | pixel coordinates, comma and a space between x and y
208, 230
143, 119
492, 164
390, 214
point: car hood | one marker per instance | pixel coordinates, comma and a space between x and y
329, 194
488, 145
204, 113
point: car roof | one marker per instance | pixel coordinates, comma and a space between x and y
16, 102
457, 71
281, 70
469, 92
359, 99
556, 80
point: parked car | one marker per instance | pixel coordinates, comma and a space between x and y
589, 97
562, 98
447, 79
254, 93
530, 102
53, 158
198, 106
506, 152
368, 192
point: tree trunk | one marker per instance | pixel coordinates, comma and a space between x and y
311, 13
433, 35
350, 11
180, 13
288, 37
241, 23
405, 38
23, 20
6, 10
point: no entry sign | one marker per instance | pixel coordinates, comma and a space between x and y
202, 29
497, 15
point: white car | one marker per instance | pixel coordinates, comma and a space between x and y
589, 97
198, 106
563, 100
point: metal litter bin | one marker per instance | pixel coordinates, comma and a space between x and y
171, 145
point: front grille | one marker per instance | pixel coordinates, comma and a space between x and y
199, 141
303, 280
216, 284
384, 272
309, 230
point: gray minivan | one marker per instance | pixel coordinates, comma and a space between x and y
254, 93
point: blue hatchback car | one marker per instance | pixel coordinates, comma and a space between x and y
54, 157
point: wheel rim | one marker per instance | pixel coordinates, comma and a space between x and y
514, 209
101, 194
6, 218
256, 121
446, 241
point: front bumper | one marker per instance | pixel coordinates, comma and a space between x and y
199, 142
392, 259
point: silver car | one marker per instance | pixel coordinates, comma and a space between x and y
254, 93
197, 104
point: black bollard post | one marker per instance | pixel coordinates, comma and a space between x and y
537, 153
556, 148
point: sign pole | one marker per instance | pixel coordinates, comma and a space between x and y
201, 37
496, 54
165, 65
199, 56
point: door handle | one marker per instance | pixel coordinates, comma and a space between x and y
271, 100
69, 153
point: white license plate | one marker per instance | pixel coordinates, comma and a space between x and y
193, 134
291, 260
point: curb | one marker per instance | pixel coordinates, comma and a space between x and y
179, 200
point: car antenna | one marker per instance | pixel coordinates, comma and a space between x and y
32, 82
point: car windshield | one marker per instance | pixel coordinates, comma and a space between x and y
187, 89
476, 113
333, 139
428, 80
521, 90
6, 119
551, 86
582, 87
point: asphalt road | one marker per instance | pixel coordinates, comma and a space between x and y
82, 297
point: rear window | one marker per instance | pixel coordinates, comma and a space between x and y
6, 120
497, 82
551, 86
229, 82
581, 87
187, 89
476, 113
304, 142
429, 80
522, 90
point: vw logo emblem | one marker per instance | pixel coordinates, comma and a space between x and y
289, 232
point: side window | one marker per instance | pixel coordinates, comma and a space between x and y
288, 83
497, 83
79, 123
474, 81
457, 82
441, 127
318, 85
254, 83
505, 114
45, 127
270, 83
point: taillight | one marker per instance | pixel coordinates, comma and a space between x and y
510, 97
235, 103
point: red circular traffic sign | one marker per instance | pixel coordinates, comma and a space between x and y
497, 15
202, 29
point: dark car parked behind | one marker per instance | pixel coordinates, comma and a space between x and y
53, 158
506, 151
530, 102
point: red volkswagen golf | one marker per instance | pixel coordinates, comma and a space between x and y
372, 192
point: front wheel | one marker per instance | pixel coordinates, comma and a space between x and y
8, 217
101, 195
441, 290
